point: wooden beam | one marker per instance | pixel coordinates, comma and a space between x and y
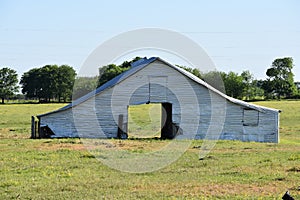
33, 136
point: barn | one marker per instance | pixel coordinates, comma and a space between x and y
191, 108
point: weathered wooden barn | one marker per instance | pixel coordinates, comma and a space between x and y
191, 108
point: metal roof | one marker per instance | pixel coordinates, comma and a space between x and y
140, 64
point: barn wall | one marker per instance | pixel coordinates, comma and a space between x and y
166, 85
198, 111
98, 117
236, 126
269, 123
60, 123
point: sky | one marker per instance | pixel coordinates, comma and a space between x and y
237, 35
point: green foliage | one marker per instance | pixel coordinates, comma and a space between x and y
215, 79
8, 83
248, 87
252, 90
84, 85
108, 72
234, 85
242, 86
297, 95
64, 82
50, 81
193, 71
281, 78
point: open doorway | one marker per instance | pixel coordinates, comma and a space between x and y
152, 120
166, 121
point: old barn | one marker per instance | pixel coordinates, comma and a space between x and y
191, 108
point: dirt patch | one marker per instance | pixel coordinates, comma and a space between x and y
51, 147
146, 145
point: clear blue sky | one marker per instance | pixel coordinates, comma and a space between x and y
238, 35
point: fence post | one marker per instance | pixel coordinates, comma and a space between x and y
120, 126
33, 127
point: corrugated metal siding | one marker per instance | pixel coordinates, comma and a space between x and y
86, 121
197, 110
269, 122
140, 95
158, 88
61, 124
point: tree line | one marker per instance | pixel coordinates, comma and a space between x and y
44, 84
279, 83
59, 83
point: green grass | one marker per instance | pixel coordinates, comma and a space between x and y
289, 119
15, 119
64, 169
144, 121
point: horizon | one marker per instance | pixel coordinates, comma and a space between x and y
238, 36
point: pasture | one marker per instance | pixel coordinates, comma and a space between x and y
65, 169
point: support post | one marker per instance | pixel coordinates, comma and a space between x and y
121, 133
120, 126
33, 127
39, 128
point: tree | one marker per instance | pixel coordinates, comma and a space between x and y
256, 90
110, 71
39, 82
251, 90
8, 83
297, 84
65, 82
84, 85
30, 83
194, 71
281, 78
48, 82
215, 79
233, 83
267, 86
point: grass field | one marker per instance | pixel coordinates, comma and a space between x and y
144, 121
64, 169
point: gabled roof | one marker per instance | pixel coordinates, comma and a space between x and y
140, 64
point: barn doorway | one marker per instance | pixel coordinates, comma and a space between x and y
166, 121
152, 120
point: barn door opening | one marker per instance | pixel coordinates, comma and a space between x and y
152, 120
166, 121
144, 121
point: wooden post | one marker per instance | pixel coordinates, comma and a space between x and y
39, 128
120, 126
33, 127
